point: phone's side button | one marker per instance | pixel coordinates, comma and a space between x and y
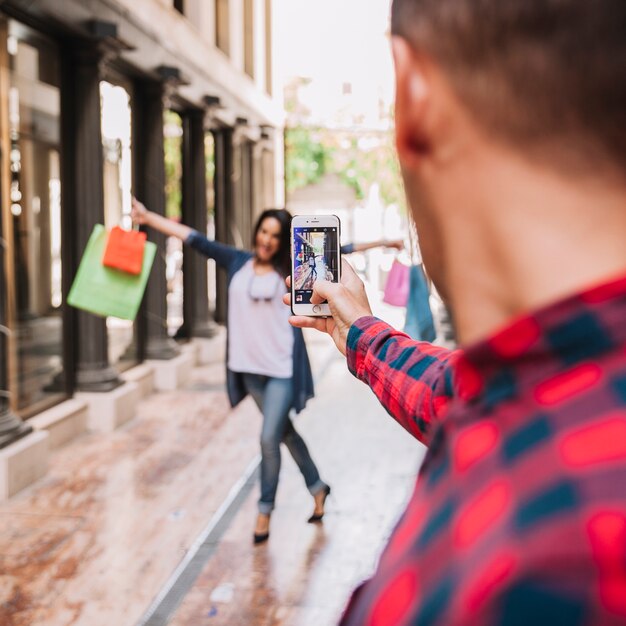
317, 308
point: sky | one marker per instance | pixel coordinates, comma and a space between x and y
337, 41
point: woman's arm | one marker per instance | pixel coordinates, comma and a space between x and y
141, 215
223, 254
349, 248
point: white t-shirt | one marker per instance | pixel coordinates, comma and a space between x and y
260, 339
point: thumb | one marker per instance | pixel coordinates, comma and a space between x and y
323, 290
348, 275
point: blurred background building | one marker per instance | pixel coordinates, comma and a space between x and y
190, 106
208, 111
173, 101
340, 156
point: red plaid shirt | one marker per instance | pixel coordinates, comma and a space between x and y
519, 513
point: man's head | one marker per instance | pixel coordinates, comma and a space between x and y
544, 80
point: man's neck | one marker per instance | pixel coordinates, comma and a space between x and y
524, 238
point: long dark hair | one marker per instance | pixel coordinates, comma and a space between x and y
282, 259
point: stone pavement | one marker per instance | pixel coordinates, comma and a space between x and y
304, 574
96, 540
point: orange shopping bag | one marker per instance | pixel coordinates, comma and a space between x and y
124, 250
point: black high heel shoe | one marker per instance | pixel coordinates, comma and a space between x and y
260, 538
317, 517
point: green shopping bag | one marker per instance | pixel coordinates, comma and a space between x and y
106, 291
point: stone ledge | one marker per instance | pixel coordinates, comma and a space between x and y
143, 375
173, 373
23, 462
108, 411
63, 422
192, 349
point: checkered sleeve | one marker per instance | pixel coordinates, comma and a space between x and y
412, 379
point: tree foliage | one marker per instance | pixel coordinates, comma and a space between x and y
359, 157
172, 144
306, 158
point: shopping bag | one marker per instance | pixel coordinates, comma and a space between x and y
106, 291
124, 250
419, 322
397, 285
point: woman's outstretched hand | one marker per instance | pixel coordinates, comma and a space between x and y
347, 301
140, 215
396, 244
138, 212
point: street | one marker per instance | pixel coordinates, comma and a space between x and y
100, 538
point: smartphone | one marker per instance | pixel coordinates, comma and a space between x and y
315, 255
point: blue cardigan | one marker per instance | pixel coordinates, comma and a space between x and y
232, 260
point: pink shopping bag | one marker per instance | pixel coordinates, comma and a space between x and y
397, 285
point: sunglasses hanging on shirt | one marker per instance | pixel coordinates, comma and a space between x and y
260, 290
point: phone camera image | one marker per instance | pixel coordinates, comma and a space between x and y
315, 257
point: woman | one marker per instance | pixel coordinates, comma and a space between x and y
312, 265
272, 366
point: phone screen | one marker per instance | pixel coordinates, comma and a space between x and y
315, 257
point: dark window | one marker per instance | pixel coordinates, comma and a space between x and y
34, 125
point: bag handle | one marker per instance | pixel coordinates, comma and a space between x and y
126, 223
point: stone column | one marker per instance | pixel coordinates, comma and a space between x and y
150, 186
83, 191
267, 176
224, 199
246, 208
198, 321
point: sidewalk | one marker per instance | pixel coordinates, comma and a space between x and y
94, 542
304, 575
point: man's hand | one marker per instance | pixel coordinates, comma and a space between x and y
347, 301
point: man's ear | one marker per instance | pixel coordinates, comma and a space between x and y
412, 98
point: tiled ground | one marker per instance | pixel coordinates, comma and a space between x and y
304, 574
94, 541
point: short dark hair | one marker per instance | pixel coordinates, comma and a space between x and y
537, 72
282, 259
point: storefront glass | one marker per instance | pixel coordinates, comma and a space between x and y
34, 242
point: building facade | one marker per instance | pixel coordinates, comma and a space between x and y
85, 88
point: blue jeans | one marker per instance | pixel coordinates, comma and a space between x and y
273, 396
